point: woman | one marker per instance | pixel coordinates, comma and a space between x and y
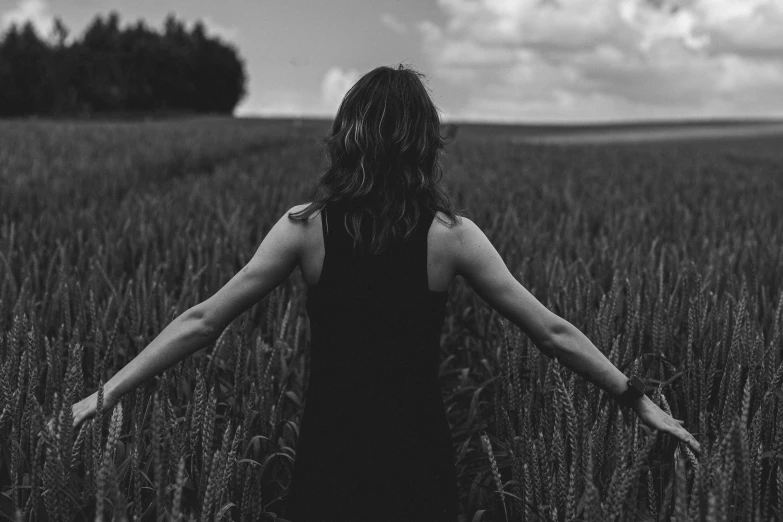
378, 247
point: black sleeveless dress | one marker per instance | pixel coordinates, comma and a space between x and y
374, 443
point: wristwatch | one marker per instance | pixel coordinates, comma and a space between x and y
634, 391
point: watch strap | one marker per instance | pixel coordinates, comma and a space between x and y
634, 391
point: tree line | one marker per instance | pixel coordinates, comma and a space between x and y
122, 71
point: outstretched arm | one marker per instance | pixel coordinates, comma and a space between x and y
480, 264
202, 324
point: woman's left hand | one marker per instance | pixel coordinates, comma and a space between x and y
657, 419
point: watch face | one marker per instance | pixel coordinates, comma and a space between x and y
637, 385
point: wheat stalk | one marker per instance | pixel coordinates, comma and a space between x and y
495, 472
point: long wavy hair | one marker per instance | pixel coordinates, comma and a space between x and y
383, 155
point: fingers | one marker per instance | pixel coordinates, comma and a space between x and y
79, 417
694, 445
80, 411
681, 433
688, 439
676, 427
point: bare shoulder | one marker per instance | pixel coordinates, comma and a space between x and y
301, 207
310, 227
307, 231
446, 239
464, 247
451, 236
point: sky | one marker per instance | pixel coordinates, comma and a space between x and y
526, 61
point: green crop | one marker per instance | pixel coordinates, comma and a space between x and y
668, 256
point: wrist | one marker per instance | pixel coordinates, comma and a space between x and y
632, 393
110, 395
641, 403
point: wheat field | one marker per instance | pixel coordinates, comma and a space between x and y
669, 256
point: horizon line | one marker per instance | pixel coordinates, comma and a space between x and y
777, 119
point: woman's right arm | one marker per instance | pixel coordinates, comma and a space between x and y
477, 260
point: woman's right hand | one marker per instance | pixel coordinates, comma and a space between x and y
86, 408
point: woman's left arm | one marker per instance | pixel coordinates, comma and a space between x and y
276, 257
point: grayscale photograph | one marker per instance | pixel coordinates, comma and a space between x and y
391, 260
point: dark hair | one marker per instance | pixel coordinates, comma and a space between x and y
383, 156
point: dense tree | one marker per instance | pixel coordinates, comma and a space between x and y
116, 70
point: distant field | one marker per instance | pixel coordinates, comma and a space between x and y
594, 133
668, 255
696, 132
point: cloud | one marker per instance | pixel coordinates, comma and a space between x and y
750, 27
229, 34
390, 21
334, 85
609, 59
35, 11
273, 102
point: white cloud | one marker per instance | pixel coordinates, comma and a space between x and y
35, 11
748, 27
608, 59
272, 102
655, 25
229, 34
430, 31
390, 21
334, 85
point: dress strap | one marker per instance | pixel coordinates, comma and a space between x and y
324, 221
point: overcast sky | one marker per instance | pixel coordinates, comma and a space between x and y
488, 60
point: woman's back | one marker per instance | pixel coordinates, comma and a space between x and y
440, 263
374, 442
